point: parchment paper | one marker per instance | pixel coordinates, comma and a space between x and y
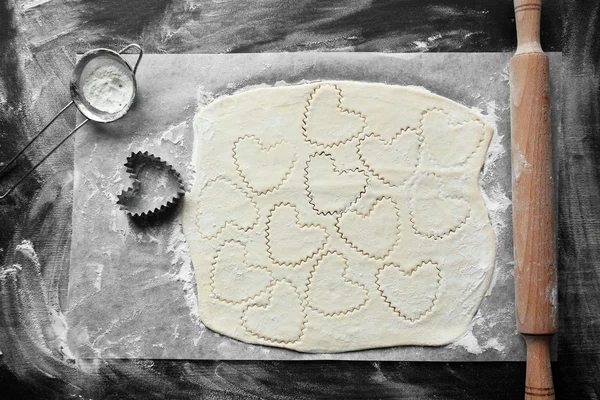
131, 285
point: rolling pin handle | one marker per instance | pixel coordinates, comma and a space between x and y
538, 381
527, 18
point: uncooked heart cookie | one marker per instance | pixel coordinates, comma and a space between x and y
263, 169
432, 214
330, 291
282, 320
393, 161
289, 241
411, 295
326, 122
330, 190
374, 233
232, 280
220, 203
439, 135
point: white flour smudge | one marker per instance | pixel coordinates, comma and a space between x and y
58, 322
61, 329
470, 343
204, 97
175, 133
181, 261
495, 196
421, 45
98, 282
492, 181
26, 248
494, 344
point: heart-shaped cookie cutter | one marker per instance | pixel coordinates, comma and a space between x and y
135, 162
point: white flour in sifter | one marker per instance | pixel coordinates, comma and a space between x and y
109, 88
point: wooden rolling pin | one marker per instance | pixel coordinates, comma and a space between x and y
532, 196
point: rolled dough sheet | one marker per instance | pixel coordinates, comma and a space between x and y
338, 216
132, 289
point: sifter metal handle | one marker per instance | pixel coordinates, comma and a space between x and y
140, 52
46, 156
5, 167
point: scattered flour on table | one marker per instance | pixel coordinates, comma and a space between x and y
470, 343
495, 196
493, 181
58, 322
183, 271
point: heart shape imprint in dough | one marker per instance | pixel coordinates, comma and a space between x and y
290, 242
232, 280
410, 295
440, 135
432, 214
282, 320
222, 202
330, 291
394, 161
263, 169
325, 122
374, 233
330, 190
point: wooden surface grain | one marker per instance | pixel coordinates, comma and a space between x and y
577, 168
38, 43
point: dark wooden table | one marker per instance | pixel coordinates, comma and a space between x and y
38, 43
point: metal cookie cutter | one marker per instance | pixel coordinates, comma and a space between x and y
144, 168
90, 62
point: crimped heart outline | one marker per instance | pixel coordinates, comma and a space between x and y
134, 164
